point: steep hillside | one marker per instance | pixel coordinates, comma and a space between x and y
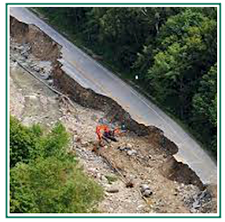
139, 173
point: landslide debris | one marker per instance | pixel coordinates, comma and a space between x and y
147, 178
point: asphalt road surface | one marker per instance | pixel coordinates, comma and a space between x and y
91, 74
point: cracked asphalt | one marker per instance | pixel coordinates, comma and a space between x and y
90, 74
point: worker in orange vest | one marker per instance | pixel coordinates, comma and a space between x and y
103, 132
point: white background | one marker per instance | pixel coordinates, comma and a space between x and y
2, 96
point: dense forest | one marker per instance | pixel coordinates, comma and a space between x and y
173, 50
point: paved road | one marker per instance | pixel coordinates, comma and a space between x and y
91, 74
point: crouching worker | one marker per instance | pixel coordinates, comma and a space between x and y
104, 133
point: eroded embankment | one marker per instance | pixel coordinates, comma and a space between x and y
44, 48
41, 45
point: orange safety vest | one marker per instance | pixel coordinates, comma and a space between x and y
100, 130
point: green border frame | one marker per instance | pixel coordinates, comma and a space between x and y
6, 110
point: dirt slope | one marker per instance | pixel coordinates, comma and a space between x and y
143, 156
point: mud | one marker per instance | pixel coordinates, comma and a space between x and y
180, 172
41, 45
115, 113
44, 48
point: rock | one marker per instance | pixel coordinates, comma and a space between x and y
112, 190
196, 205
50, 81
98, 175
107, 195
83, 143
139, 207
78, 140
36, 68
147, 193
129, 145
144, 187
132, 177
75, 137
131, 152
25, 54
104, 179
45, 75
130, 184
32, 97
206, 195
93, 171
196, 200
19, 47
195, 197
192, 210
145, 190
124, 148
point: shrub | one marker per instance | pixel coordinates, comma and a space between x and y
51, 185
22, 141
26, 143
44, 178
55, 143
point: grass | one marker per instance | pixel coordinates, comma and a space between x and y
111, 178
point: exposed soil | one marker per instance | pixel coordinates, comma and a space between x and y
142, 157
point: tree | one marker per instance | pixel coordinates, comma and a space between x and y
51, 185
22, 141
44, 177
54, 143
182, 57
122, 31
170, 48
26, 143
205, 107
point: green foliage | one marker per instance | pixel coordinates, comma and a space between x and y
205, 107
111, 178
205, 101
179, 65
170, 48
26, 143
187, 50
121, 32
51, 185
22, 141
44, 178
55, 143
